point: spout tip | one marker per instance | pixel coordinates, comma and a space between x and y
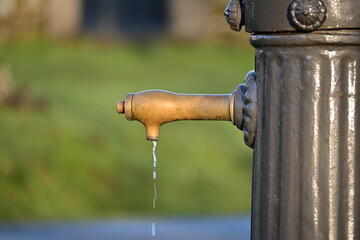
152, 132
120, 107
152, 138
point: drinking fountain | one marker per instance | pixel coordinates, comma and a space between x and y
299, 110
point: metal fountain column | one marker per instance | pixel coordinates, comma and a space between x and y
306, 175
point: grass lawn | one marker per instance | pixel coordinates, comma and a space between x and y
79, 159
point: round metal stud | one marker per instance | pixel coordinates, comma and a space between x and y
308, 15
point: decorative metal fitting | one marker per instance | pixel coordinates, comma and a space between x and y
245, 108
308, 15
234, 14
250, 108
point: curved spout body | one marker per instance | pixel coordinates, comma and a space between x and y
154, 108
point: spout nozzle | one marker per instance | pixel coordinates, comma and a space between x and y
120, 107
152, 133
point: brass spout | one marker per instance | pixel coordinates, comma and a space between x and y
154, 108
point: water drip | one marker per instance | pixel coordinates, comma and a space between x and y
152, 223
153, 229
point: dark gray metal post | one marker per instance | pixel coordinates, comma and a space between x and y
307, 154
306, 179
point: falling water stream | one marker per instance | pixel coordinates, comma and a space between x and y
153, 223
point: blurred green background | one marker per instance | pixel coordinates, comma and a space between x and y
66, 154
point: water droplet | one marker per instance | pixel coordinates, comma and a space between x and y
153, 229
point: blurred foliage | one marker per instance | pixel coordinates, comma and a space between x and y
79, 159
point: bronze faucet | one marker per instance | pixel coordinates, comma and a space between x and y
154, 108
